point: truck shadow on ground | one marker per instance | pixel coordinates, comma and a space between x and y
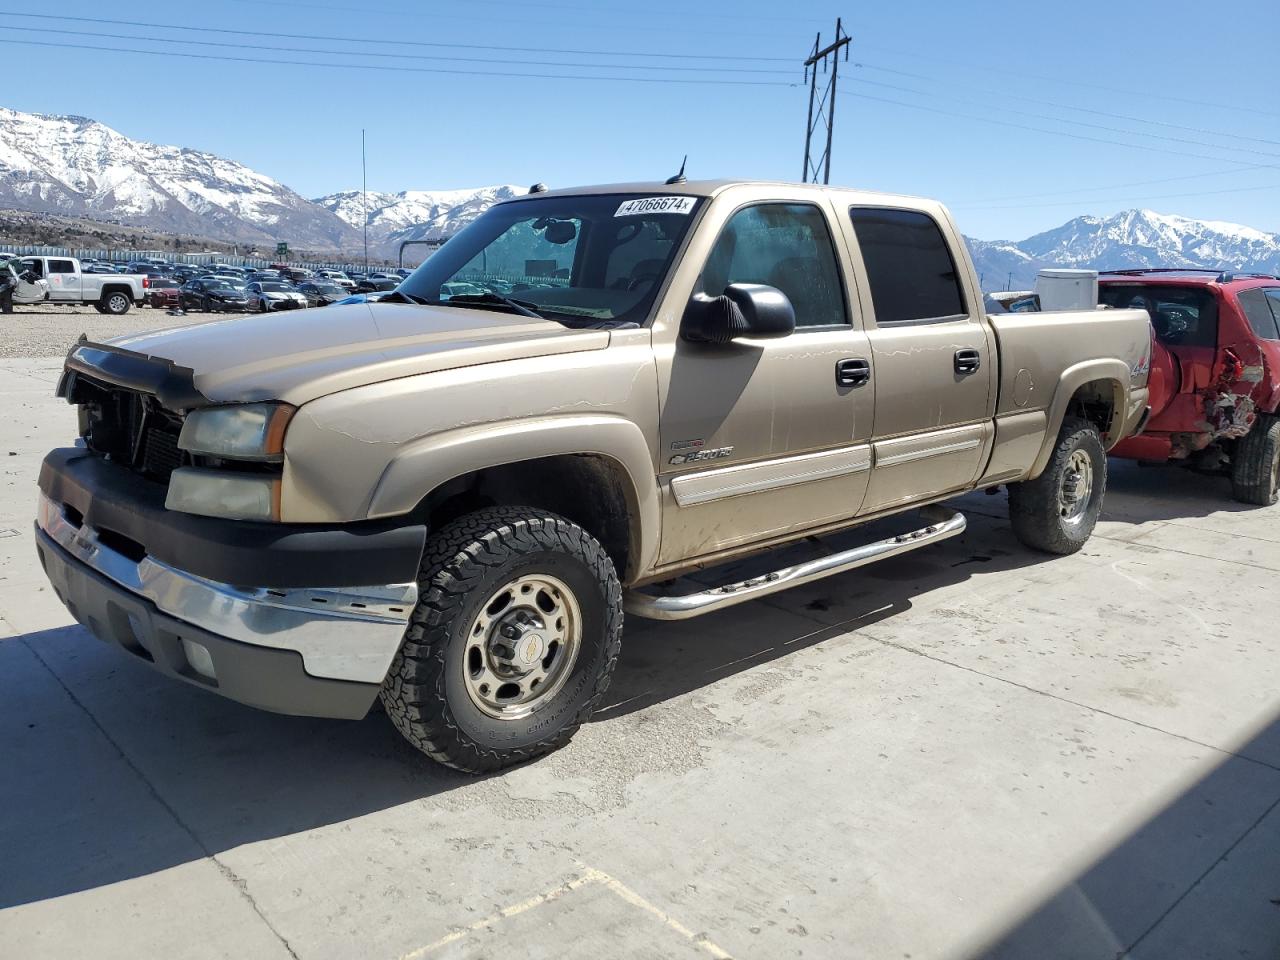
115, 772
1136, 493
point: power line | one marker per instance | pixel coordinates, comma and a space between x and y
684, 13
1133, 183
98, 48
390, 41
240, 45
1077, 123
1055, 133
988, 68
1097, 200
1067, 106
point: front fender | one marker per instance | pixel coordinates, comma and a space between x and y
425, 464
1116, 374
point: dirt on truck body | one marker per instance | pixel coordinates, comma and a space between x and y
448, 497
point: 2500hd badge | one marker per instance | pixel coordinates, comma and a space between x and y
718, 453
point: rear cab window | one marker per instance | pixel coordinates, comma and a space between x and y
910, 268
1182, 316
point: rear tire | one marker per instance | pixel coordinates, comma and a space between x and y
1255, 464
1057, 511
116, 304
512, 599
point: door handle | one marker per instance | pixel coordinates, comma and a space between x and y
853, 373
967, 361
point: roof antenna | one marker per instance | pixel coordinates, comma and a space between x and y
679, 177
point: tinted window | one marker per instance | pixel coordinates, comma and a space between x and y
1273, 298
784, 245
1182, 316
61, 266
909, 265
1259, 312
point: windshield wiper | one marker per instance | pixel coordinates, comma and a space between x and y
404, 297
522, 307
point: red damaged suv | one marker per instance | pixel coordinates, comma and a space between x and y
1215, 373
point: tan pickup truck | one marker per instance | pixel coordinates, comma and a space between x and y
448, 497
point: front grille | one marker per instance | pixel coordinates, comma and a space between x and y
130, 428
160, 453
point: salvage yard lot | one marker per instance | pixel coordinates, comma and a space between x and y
970, 749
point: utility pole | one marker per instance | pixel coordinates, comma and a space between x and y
825, 103
364, 200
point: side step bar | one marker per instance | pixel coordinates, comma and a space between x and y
946, 523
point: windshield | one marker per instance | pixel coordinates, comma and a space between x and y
576, 259
274, 287
329, 290
1182, 316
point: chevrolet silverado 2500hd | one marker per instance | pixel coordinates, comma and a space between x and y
448, 497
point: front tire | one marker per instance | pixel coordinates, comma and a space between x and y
512, 644
1255, 463
1057, 511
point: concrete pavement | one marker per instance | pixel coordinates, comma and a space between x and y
970, 750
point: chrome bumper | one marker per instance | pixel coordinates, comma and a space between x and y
347, 633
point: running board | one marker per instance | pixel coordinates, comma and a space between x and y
946, 523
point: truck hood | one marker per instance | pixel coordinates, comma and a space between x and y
297, 356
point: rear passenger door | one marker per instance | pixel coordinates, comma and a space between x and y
933, 354
64, 281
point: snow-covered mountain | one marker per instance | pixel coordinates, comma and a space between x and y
415, 214
1133, 238
79, 167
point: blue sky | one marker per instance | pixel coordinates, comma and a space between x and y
967, 102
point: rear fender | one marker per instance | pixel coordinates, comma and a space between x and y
1114, 373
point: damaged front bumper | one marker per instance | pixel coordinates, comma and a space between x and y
285, 647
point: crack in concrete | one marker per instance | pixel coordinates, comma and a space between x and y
228, 874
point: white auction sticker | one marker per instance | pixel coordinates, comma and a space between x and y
681, 205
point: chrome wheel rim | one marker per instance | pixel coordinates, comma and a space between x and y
521, 646
1076, 490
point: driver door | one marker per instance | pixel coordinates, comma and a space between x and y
759, 436
28, 288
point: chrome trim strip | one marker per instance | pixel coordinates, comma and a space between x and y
707, 485
892, 460
346, 633
946, 523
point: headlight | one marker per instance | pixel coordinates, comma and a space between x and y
243, 431
214, 493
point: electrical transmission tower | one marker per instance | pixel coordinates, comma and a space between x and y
822, 109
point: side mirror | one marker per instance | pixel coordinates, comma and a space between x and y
743, 310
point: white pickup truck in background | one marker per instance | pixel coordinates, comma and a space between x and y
112, 293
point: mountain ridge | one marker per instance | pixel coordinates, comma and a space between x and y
72, 166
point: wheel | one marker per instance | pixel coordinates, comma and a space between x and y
512, 643
1057, 511
207, 305
262, 306
115, 304
1255, 464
